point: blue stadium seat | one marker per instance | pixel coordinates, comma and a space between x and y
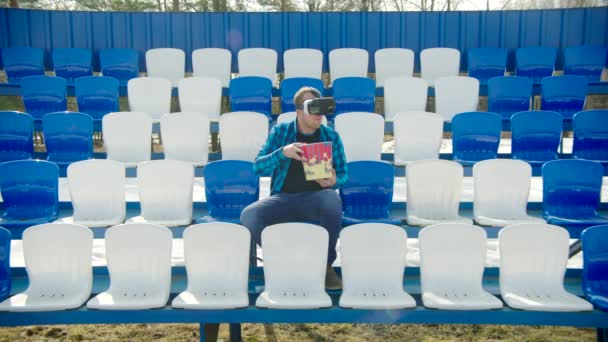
72, 63
563, 94
68, 137
122, 64
571, 193
290, 87
354, 94
43, 95
367, 195
251, 93
5, 265
591, 135
485, 63
16, 136
21, 62
509, 95
230, 186
535, 62
97, 96
535, 136
585, 60
30, 193
475, 136
595, 265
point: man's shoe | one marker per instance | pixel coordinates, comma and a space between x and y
332, 280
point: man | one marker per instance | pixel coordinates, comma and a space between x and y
292, 198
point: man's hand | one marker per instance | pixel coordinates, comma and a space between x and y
328, 182
293, 151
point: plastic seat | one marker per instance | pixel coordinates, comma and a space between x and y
434, 188
242, 134
212, 63
217, 263
5, 264
590, 135
532, 273
509, 95
595, 266
16, 136
68, 137
354, 94
535, 62
485, 63
404, 94
502, 188
366, 286
436, 63
97, 96
563, 94
127, 137
260, 62
307, 63
185, 137
139, 264
535, 136
367, 195
251, 93
571, 193
290, 87
21, 62
475, 136
165, 192
418, 136
30, 193
201, 95
393, 62
452, 261
456, 94
72, 63
167, 63
44, 94
290, 116
230, 186
151, 95
585, 60
295, 261
362, 135
122, 64
58, 260
348, 62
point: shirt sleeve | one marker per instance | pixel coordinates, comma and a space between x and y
270, 155
339, 161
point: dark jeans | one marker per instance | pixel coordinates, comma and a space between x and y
323, 207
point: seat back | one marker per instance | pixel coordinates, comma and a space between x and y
122, 64
68, 136
476, 135
5, 263
251, 93
290, 116
509, 95
212, 63
348, 62
590, 135
201, 95
535, 62
21, 62
127, 136
418, 136
485, 63
368, 192
393, 62
260, 62
404, 94
185, 137
585, 60
72, 63
307, 63
167, 63
595, 261
456, 94
97, 95
439, 62
242, 134
354, 94
563, 94
290, 87
536, 135
43, 94
362, 135
16, 136
151, 95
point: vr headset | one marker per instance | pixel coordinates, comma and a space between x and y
319, 106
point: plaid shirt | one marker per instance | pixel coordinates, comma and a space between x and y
271, 161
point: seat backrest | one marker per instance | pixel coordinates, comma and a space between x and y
260, 62
536, 135
418, 136
251, 93
290, 87
230, 186
127, 136
439, 62
393, 62
43, 94
535, 62
306, 63
202, 95
213, 63
186, 137
368, 192
564, 94
72, 63
404, 94
20, 62
595, 260
97, 95
476, 135
362, 134
509, 95
354, 94
5, 263
167, 63
151, 95
456, 94
590, 134
348, 62
485, 63
242, 135
585, 60
68, 136
122, 64
290, 116
16, 136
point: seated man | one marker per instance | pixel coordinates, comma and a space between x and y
293, 198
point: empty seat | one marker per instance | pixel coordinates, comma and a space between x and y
404, 94
167, 63
485, 63
260, 62
242, 135
563, 94
439, 62
532, 273
434, 188
585, 60
452, 260
5, 263
122, 64
201, 95
418, 136
535, 62
362, 134
306, 63
139, 264
295, 261
456, 94
185, 137
509, 95
535, 136
290, 116
367, 195
97, 96
290, 87
476, 136
502, 188
43, 94
68, 137
16, 136
251, 93
72, 63
127, 137
165, 192
217, 262
58, 260
590, 135
354, 94
151, 95
21, 62
366, 286
348, 62
29, 192
393, 62
230, 186
213, 63
595, 265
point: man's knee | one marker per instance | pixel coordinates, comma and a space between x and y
249, 217
330, 201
